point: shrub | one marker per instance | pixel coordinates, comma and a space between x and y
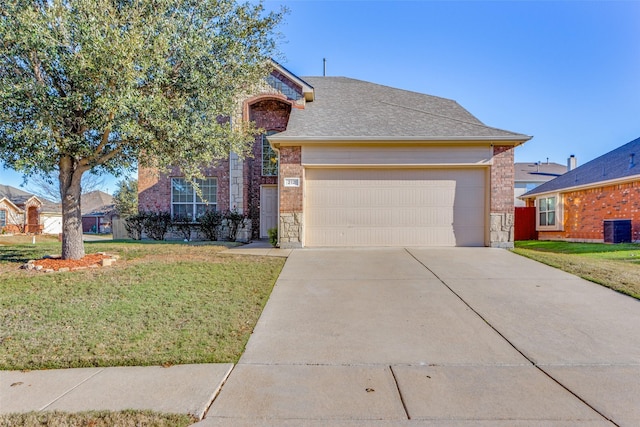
210, 224
135, 225
156, 224
234, 220
183, 226
273, 236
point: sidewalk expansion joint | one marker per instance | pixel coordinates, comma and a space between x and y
71, 389
533, 363
217, 392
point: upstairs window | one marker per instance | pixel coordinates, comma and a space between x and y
269, 157
186, 204
3, 218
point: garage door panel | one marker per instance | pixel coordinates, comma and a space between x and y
394, 207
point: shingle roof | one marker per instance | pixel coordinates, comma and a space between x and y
19, 197
538, 172
346, 108
614, 165
96, 203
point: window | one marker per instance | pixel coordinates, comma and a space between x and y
185, 201
549, 213
3, 218
269, 157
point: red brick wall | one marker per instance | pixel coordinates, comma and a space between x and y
270, 114
502, 179
585, 210
154, 189
291, 167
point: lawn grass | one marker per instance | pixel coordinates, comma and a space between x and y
614, 266
96, 419
160, 304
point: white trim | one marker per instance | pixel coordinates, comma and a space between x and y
559, 214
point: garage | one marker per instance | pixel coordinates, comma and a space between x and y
395, 206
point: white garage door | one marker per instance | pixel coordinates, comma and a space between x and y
394, 207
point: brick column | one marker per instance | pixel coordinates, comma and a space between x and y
502, 208
291, 205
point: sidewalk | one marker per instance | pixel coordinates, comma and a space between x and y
180, 389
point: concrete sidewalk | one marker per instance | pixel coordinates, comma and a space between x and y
181, 389
458, 336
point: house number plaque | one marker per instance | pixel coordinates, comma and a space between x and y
292, 182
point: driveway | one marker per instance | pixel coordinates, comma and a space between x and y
453, 336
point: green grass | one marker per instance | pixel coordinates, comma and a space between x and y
160, 304
614, 266
96, 419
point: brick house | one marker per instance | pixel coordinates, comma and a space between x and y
576, 205
346, 162
22, 212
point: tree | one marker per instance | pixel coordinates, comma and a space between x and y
126, 197
105, 85
47, 187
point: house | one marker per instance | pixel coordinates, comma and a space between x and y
530, 175
22, 212
345, 162
97, 210
576, 205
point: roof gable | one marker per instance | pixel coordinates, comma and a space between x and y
623, 162
350, 109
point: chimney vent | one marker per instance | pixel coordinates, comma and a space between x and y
572, 163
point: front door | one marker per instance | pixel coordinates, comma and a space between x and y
268, 209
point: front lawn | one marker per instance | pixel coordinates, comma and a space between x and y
614, 266
161, 303
96, 419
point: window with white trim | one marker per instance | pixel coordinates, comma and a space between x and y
549, 214
269, 157
3, 218
187, 204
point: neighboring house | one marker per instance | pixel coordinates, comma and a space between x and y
22, 212
97, 209
346, 162
575, 206
530, 175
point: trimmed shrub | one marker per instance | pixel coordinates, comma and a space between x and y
156, 224
210, 223
134, 225
273, 236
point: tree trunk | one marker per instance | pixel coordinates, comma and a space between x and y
70, 191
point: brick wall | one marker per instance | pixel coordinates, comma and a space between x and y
270, 114
502, 179
154, 189
501, 226
585, 211
291, 167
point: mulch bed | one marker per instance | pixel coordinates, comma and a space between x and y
56, 263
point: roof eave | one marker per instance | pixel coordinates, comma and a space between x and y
507, 140
587, 186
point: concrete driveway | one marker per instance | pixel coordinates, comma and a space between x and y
437, 336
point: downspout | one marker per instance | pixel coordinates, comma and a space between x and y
277, 150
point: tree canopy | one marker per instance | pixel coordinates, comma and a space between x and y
104, 85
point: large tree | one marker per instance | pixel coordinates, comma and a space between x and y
105, 85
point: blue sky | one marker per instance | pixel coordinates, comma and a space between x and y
567, 73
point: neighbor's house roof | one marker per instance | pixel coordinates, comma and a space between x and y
538, 172
19, 198
97, 203
346, 109
623, 163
